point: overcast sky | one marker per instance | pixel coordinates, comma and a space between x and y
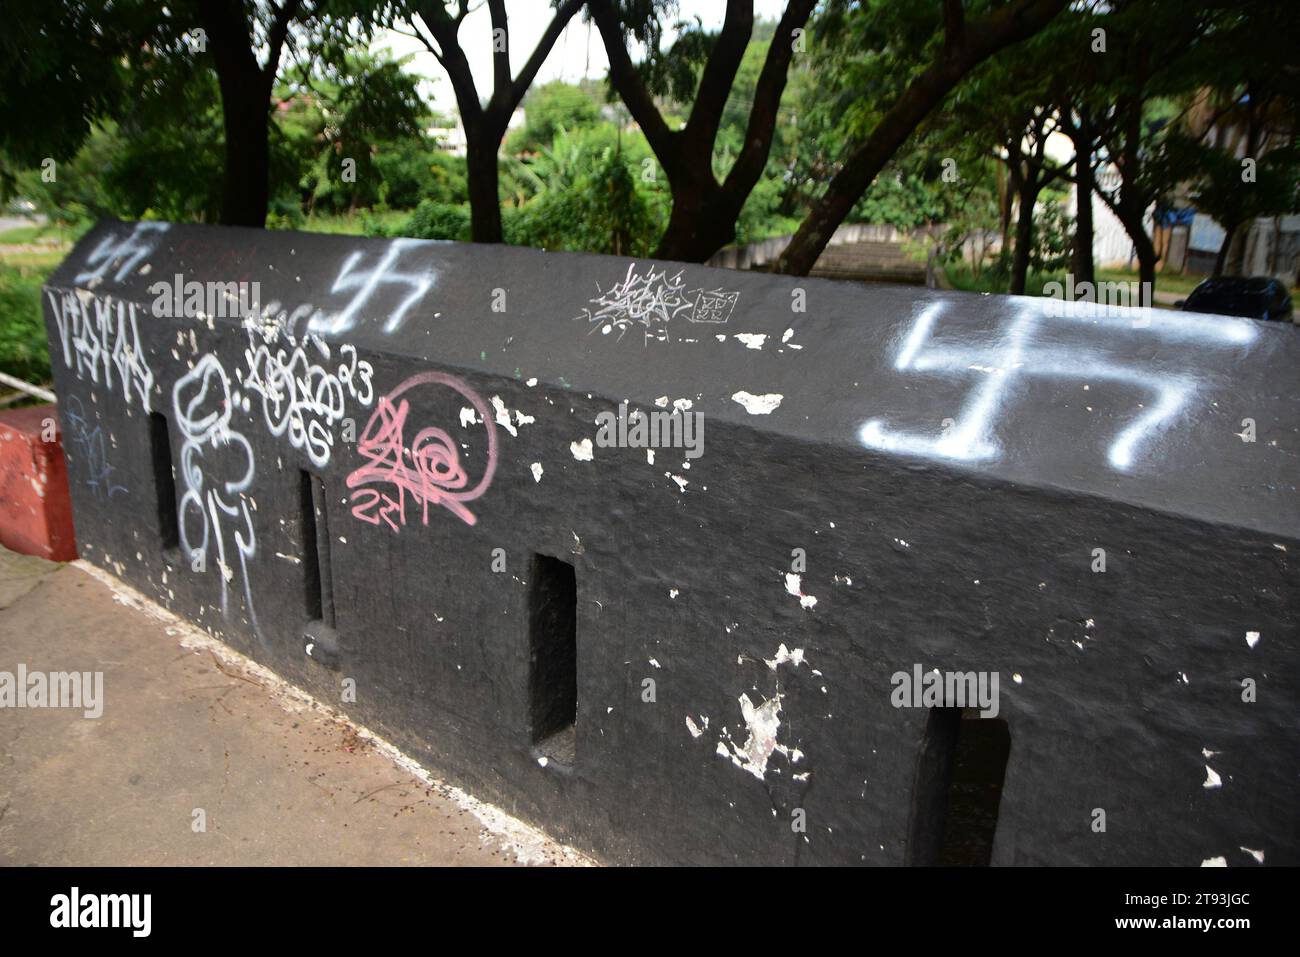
577, 53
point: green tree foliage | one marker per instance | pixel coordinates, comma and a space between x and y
349, 116
62, 69
548, 110
22, 328
589, 196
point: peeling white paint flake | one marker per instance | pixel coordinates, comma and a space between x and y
289, 558
681, 482
662, 402
581, 450
537, 471
681, 405
758, 404
654, 663
1215, 862
1207, 753
1257, 855
785, 656
763, 723
503, 416
1252, 638
1212, 779
794, 586
673, 593
693, 728
752, 340
650, 456
468, 417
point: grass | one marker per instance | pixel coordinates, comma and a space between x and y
24, 351
59, 234
23, 348
365, 223
961, 276
1171, 285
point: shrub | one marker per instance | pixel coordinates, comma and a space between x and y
23, 349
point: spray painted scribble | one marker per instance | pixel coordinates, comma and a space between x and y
651, 299
1026, 348
302, 397
713, 305
122, 252
99, 336
92, 448
217, 469
366, 281
429, 469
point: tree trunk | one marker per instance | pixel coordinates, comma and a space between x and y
1026, 197
702, 221
1084, 267
1222, 258
245, 189
1236, 264
245, 103
1004, 205
1145, 248
484, 187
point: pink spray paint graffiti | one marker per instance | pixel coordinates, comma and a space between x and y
429, 469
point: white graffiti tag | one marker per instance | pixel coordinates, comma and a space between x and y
367, 281
99, 336
301, 397
651, 300
217, 468
1035, 345
122, 252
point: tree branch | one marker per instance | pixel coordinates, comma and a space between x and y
623, 74
717, 79
563, 14
444, 29
954, 25
276, 36
1006, 26
501, 85
772, 80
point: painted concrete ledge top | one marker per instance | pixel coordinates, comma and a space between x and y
1149, 407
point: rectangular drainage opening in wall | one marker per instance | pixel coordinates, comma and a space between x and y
164, 483
553, 659
318, 597
320, 642
958, 788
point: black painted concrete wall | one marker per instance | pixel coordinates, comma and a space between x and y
390, 482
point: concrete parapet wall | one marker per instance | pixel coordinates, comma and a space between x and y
388, 483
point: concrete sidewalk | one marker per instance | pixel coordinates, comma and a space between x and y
190, 726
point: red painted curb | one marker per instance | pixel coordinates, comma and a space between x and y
35, 510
